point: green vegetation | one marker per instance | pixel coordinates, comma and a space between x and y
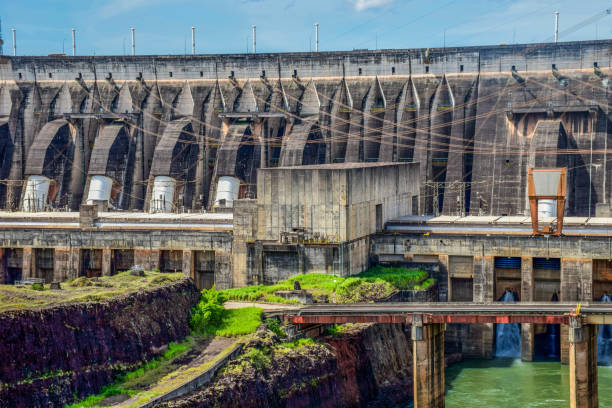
337, 329
38, 286
399, 278
425, 284
374, 284
275, 327
303, 342
132, 382
81, 289
93, 401
210, 318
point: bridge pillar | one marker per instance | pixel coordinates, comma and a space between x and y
484, 291
527, 295
576, 285
428, 360
583, 364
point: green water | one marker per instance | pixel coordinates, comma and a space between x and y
509, 383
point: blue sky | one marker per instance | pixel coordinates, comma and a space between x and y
224, 26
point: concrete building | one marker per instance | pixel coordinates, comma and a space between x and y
305, 219
320, 218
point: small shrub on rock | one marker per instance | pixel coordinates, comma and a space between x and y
209, 311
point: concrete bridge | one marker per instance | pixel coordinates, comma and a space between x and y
428, 321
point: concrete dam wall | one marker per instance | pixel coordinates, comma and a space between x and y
156, 133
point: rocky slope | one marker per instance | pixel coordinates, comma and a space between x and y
50, 355
365, 366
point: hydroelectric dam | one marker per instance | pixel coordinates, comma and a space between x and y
248, 169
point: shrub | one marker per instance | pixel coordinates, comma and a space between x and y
274, 326
209, 311
38, 286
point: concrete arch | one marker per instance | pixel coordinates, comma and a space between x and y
112, 156
176, 156
102, 154
51, 155
173, 140
295, 150
43, 148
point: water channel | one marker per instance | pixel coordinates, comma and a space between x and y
508, 382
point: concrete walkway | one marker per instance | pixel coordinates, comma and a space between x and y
268, 307
173, 383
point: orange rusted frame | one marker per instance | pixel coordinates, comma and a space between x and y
428, 318
533, 202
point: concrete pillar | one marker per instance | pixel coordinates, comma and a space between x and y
576, 285
223, 269
564, 340
66, 264
527, 341
527, 295
444, 262
106, 261
27, 263
188, 263
148, 259
483, 289
428, 361
583, 364
484, 279
576, 279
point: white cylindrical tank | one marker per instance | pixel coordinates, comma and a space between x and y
227, 190
162, 198
36, 193
100, 188
547, 208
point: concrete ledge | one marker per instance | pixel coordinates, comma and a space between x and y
197, 382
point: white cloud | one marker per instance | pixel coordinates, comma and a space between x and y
361, 5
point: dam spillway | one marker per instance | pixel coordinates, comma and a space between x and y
473, 117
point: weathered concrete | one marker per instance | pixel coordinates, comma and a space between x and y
204, 116
583, 364
428, 361
527, 295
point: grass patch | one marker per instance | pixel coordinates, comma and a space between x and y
210, 318
425, 284
81, 290
374, 284
299, 343
93, 400
338, 329
237, 322
399, 278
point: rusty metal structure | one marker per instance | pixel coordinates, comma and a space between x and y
547, 184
